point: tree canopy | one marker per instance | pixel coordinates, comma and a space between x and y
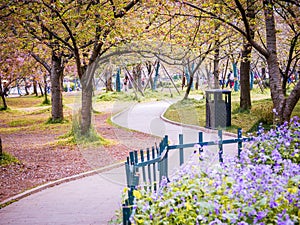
78, 33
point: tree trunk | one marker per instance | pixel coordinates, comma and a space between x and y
208, 75
87, 96
86, 110
137, 76
263, 73
3, 93
245, 97
276, 88
284, 83
197, 82
216, 52
1, 151
4, 101
46, 90
41, 89
291, 102
108, 80
272, 60
189, 86
34, 83
56, 79
156, 76
109, 84
26, 87
216, 67
149, 72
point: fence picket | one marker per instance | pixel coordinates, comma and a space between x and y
220, 143
149, 169
240, 142
143, 168
181, 154
154, 170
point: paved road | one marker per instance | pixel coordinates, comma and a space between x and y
94, 199
151, 122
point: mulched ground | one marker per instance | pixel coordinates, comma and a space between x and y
41, 161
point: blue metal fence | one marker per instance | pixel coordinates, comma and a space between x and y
150, 166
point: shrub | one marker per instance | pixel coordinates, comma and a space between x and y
241, 191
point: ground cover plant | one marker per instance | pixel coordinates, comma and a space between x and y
260, 187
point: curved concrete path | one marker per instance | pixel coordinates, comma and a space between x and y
94, 199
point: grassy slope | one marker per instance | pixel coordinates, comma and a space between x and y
192, 111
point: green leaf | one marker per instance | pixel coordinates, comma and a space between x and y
262, 202
206, 205
295, 179
247, 209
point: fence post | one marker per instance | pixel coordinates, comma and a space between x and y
154, 170
200, 139
131, 158
126, 214
240, 141
181, 155
136, 160
149, 169
220, 143
165, 161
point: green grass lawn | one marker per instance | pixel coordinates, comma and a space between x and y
192, 111
149, 95
189, 111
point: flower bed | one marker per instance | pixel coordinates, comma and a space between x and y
262, 187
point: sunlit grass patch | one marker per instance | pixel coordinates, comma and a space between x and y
91, 139
6, 159
21, 122
25, 120
40, 110
56, 121
193, 112
149, 95
189, 111
10, 130
23, 102
74, 136
114, 96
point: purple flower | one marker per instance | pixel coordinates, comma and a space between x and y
171, 211
273, 204
150, 216
164, 182
260, 216
276, 156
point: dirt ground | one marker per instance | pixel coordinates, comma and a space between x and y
42, 161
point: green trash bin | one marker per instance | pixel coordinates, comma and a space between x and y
218, 108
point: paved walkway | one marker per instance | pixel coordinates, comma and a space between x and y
94, 199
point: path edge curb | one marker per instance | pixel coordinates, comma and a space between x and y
42, 187
195, 127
